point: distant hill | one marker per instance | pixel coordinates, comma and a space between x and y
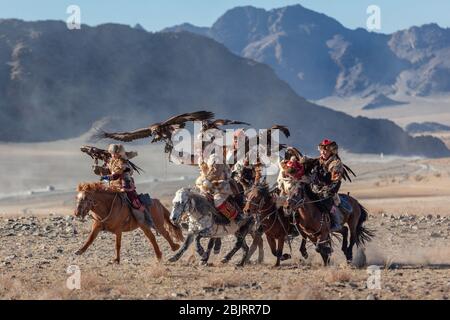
381, 101
55, 83
416, 127
319, 57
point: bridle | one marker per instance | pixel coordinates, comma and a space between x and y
91, 203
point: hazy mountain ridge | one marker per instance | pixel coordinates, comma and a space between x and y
55, 83
319, 57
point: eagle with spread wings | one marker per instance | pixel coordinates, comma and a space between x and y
162, 131
216, 124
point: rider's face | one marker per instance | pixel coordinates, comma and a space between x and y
115, 155
325, 153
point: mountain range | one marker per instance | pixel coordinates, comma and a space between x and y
55, 83
319, 57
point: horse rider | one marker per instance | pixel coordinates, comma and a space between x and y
329, 172
243, 170
119, 173
214, 181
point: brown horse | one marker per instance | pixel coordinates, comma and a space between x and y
272, 220
314, 222
111, 213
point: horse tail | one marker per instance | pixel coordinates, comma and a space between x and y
363, 234
174, 231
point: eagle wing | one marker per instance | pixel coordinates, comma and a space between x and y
293, 152
185, 117
125, 136
226, 122
283, 129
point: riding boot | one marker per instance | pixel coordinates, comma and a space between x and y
240, 217
337, 219
147, 217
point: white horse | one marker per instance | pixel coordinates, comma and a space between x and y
205, 222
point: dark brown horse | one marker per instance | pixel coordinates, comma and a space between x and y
272, 220
314, 222
111, 213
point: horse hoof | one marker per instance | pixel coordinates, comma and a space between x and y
116, 261
224, 261
216, 251
173, 259
285, 256
78, 252
175, 247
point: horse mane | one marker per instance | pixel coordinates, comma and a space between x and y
95, 187
263, 187
202, 204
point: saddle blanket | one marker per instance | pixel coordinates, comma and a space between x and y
145, 199
345, 203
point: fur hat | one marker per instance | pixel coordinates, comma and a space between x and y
117, 148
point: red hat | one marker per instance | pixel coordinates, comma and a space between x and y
329, 144
326, 142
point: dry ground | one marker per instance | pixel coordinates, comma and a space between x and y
409, 202
411, 251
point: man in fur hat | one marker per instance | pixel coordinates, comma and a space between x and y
119, 172
215, 180
329, 173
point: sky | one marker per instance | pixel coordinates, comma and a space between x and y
155, 15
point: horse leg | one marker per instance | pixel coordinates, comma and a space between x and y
254, 245
245, 248
217, 245
184, 247
272, 245
198, 245
260, 250
96, 228
237, 246
303, 250
240, 239
151, 237
349, 254
344, 232
118, 244
173, 246
207, 253
279, 250
325, 251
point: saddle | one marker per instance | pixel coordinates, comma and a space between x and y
345, 203
218, 217
144, 198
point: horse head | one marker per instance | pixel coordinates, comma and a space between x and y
257, 198
294, 200
84, 203
182, 202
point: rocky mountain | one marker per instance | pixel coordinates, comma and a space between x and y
319, 57
55, 83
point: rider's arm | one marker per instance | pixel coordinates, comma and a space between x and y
117, 170
336, 169
101, 170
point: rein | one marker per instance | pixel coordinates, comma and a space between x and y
102, 221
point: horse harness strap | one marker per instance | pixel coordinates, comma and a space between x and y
102, 221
